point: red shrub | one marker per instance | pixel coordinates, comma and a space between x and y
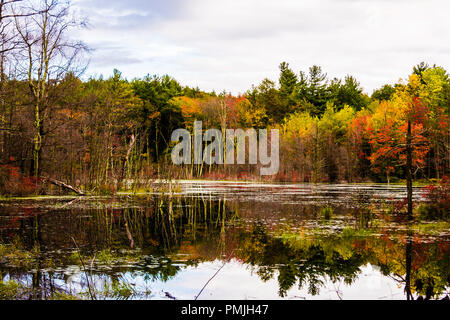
439, 194
400, 205
13, 182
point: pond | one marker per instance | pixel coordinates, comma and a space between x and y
224, 240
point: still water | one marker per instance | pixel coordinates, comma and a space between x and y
225, 240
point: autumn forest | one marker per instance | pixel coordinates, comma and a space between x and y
97, 132
93, 206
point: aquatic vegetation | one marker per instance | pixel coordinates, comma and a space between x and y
437, 201
105, 189
105, 257
432, 211
432, 228
132, 247
15, 255
352, 233
64, 296
10, 290
120, 290
327, 212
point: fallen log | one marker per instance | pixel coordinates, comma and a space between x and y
64, 185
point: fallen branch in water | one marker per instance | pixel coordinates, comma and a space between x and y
63, 185
91, 292
168, 295
215, 274
69, 203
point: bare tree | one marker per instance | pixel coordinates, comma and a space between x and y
8, 38
48, 55
8, 42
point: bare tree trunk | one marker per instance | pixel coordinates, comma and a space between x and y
127, 157
408, 171
129, 235
37, 141
65, 186
42, 31
408, 263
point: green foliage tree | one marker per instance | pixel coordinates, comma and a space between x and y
267, 97
384, 93
420, 68
348, 93
312, 91
288, 81
159, 115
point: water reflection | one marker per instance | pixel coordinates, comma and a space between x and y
168, 246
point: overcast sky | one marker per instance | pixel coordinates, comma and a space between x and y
232, 44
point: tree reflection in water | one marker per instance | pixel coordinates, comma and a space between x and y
158, 236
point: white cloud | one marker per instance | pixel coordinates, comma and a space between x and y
233, 44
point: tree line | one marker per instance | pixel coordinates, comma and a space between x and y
105, 132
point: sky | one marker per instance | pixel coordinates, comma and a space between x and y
233, 44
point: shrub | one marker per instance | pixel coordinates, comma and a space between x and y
14, 183
107, 189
